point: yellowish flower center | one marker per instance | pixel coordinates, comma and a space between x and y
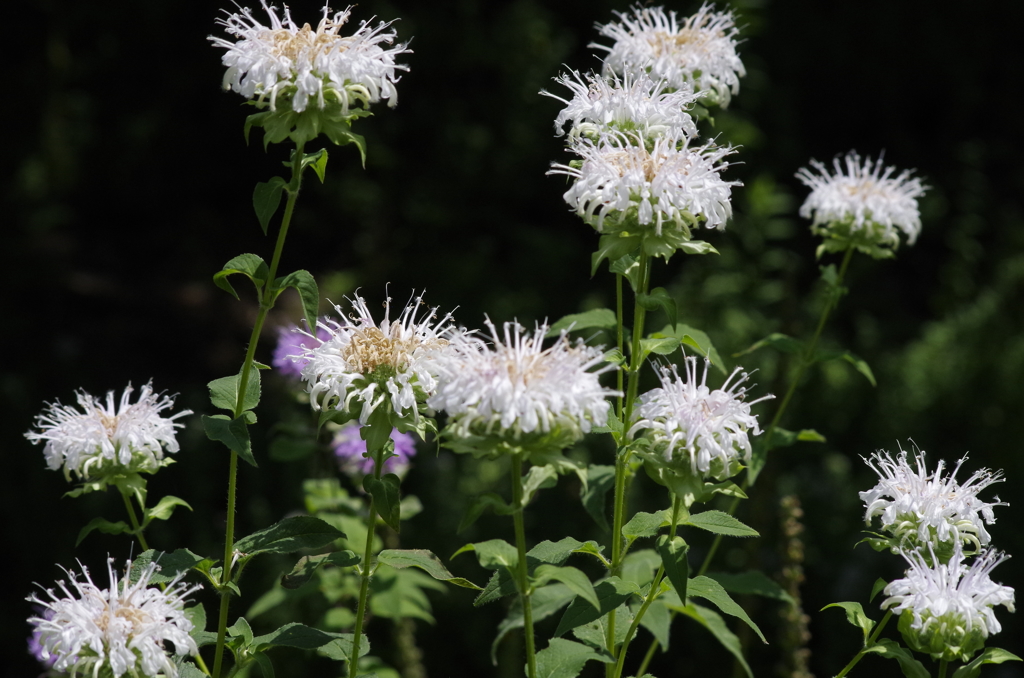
307, 41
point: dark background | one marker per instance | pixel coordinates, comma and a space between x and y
127, 184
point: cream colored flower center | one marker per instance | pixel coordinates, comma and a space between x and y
686, 38
371, 349
109, 422
306, 42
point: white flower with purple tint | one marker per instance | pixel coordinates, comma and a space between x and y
127, 628
698, 52
630, 104
102, 438
350, 450
928, 510
706, 431
946, 610
290, 352
302, 66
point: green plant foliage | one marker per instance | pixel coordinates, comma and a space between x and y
309, 294
424, 560
250, 265
890, 649
234, 433
565, 659
598, 318
266, 198
387, 499
593, 494
307, 566
714, 623
712, 591
103, 525
169, 565
610, 592
545, 601
754, 583
224, 392
289, 535
673, 559
571, 577
990, 655
720, 522
855, 615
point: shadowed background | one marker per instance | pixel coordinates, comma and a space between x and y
127, 184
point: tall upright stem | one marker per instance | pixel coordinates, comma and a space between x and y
136, 527
364, 586
267, 297
522, 573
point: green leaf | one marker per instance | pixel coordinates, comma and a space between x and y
266, 198
554, 552
658, 345
571, 577
696, 339
234, 433
266, 667
673, 559
780, 438
565, 658
639, 566
426, 561
104, 526
250, 265
538, 478
189, 670
754, 583
610, 593
197, 615
775, 340
318, 161
858, 363
544, 601
658, 620
164, 508
712, 591
595, 633
855, 615
294, 635
613, 246
697, 247
630, 268
720, 522
169, 565
493, 554
340, 648
387, 499
224, 391
241, 629
877, 587
714, 623
500, 584
643, 525
309, 294
990, 655
289, 535
600, 318
659, 298
308, 565
480, 504
890, 649
600, 480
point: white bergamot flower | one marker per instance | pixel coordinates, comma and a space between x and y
862, 203
691, 426
516, 389
100, 439
946, 610
119, 630
655, 195
632, 103
301, 66
923, 510
362, 364
699, 51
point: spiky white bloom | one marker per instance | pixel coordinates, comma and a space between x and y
362, 363
699, 51
921, 508
671, 185
686, 420
99, 438
631, 103
122, 629
864, 198
303, 64
516, 386
947, 609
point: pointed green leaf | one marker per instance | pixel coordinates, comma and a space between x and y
600, 481
387, 499
571, 577
659, 298
169, 565
266, 198
266, 667
164, 508
697, 247
250, 265
554, 552
566, 658
613, 246
630, 268
610, 593
289, 535
294, 635
189, 670
224, 391
544, 602
234, 433
241, 629
673, 559
538, 478
104, 526
308, 565
643, 525
754, 583
658, 620
877, 587
500, 584
855, 615
858, 363
493, 554
426, 561
720, 522
697, 340
990, 655
309, 294
714, 623
712, 591
480, 504
775, 340
598, 318
659, 346
318, 161
340, 648
890, 649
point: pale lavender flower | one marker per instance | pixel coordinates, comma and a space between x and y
100, 438
699, 51
707, 429
350, 448
123, 629
35, 645
946, 609
289, 354
300, 65
862, 198
929, 510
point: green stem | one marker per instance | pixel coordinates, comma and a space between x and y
943, 664
267, 296
868, 643
136, 528
522, 574
364, 586
620, 337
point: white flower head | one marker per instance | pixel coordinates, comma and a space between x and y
302, 65
698, 52
100, 438
662, 191
364, 363
627, 104
515, 387
946, 610
862, 201
122, 629
929, 510
690, 424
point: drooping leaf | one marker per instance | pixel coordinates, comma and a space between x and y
598, 318
266, 667
696, 339
610, 593
387, 498
480, 504
778, 341
673, 559
294, 635
714, 623
289, 535
855, 615
659, 298
890, 649
658, 620
318, 161
544, 602
164, 508
720, 522
712, 591
553, 552
753, 582
859, 364
103, 525
565, 658
234, 433
304, 569
658, 345
250, 265
493, 554
877, 588
538, 478
600, 480
630, 268
426, 561
309, 294
266, 198
990, 655
571, 577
